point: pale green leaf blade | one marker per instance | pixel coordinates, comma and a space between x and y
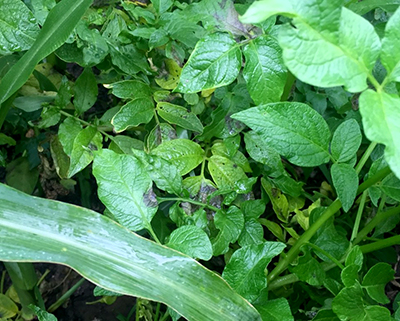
224, 172
85, 91
183, 153
130, 89
381, 120
58, 26
263, 9
349, 275
264, 71
391, 187
355, 257
346, 140
113, 257
230, 224
309, 269
215, 62
81, 156
252, 233
18, 27
180, 116
390, 56
294, 130
345, 180
365, 6
125, 189
161, 5
375, 281
135, 112
192, 241
245, 270
8, 308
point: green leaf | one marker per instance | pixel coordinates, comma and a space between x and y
130, 89
294, 130
252, 233
41, 9
125, 189
225, 173
191, 240
160, 133
309, 270
390, 58
391, 187
355, 257
345, 181
263, 153
21, 176
161, 5
85, 91
58, 26
215, 62
122, 144
230, 225
113, 257
67, 133
6, 140
183, 153
245, 270
93, 46
375, 281
275, 310
326, 315
8, 308
180, 116
60, 158
366, 6
328, 46
264, 71
85, 142
135, 112
18, 27
33, 103
263, 9
163, 173
349, 275
42, 315
346, 140
380, 117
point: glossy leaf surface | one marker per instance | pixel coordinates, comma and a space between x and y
113, 257
345, 180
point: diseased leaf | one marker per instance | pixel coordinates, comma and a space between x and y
230, 225
135, 112
264, 71
245, 270
215, 62
346, 140
381, 120
294, 130
191, 240
124, 187
375, 281
18, 27
87, 141
345, 180
225, 173
183, 153
85, 91
180, 116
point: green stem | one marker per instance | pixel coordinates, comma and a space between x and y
329, 212
43, 277
188, 200
379, 217
137, 309
165, 316
375, 246
65, 296
3, 276
359, 215
5, 108
365, 157
330, 257
157, 315
153, 234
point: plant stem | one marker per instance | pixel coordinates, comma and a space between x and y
375, 246
153, 234
330, 257
65, 296
329, 212
379, 217
365, 157
3, 276
188, 200
359, 215
43, 276
156, 317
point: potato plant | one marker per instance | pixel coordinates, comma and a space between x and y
216, 159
